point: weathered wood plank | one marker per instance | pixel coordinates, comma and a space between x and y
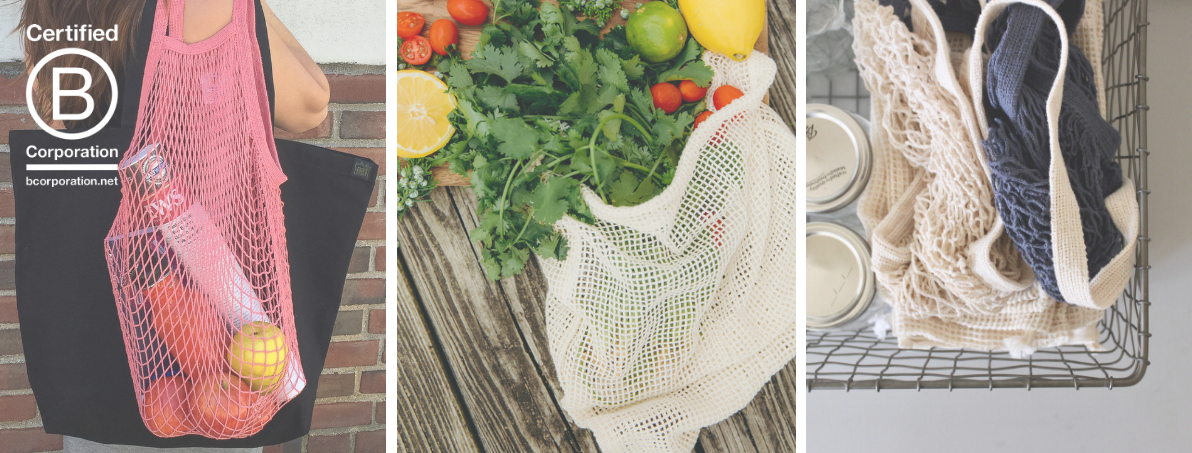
526, 295
501, 386
766, 425
781, 15
429, 416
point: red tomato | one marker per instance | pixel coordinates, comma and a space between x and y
416, 50
725, 95
701, 118
691, 91
223, 404
167, 407
442, 34
191, 331
468, 12
409, 24
667, 97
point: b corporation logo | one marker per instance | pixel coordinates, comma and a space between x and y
58, 93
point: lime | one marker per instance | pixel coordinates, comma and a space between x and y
657, 32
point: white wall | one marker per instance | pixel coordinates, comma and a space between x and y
332, 31
1153, 417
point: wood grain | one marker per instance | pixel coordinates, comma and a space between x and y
429, 415
469, 36
500, 384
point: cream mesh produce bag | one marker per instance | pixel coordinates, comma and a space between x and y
669, 316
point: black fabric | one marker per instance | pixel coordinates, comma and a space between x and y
74, 347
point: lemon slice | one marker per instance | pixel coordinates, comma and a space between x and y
422, 108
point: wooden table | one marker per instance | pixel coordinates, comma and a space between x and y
474, 373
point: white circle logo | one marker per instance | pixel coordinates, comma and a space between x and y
58, 93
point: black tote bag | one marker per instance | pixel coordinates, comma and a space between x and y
74, 348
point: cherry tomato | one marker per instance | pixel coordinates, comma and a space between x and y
725, 95
442, 34
415, 50
667, 97
701, 118
409, 24
691, 91
468, 12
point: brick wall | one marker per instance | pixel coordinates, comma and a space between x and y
350, 411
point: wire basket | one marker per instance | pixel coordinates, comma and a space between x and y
859, 360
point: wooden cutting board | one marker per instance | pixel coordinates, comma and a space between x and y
469, 36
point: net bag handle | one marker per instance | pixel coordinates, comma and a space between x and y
1068, 251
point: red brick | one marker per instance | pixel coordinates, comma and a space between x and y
352, 353
5, 170
16, 408
12, 90
376, 154
370, 441
13, 376
338, 415
8, 206
8, 275
332, 385
8, 240
363, 291
348, 322
380, 413
363, 125
376, 321
359, 261
22, 121
279, 448
373, 227
380, 263
372, 382
8, 308
372, 201
10, 342
323, 130
329, 444
359, 89
28, 440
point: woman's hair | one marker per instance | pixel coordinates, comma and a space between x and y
98, 14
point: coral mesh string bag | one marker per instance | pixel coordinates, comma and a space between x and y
197, 253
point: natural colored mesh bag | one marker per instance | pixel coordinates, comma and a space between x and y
669, 316
197, 253
940, 250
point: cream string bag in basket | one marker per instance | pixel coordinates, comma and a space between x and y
669, 316
940, 251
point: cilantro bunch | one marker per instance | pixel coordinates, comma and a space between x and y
599, 10
545, 106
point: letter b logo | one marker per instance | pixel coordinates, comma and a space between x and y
58, 93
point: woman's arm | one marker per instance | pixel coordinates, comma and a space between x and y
302, 91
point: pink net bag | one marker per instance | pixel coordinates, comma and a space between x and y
197, 253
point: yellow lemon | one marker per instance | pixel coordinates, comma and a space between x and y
422, 108
728, 28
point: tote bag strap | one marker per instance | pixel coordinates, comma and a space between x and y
1068, 251
134, 65
980, 251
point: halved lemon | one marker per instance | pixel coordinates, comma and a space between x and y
422, 108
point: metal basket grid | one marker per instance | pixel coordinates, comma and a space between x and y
859, 360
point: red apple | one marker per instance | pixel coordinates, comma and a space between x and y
223, 405
167, 407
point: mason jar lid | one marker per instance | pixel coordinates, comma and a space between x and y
840, 284
838, 158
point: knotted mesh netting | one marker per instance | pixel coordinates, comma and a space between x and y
197, 253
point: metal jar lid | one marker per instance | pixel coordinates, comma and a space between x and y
838, 158
840, 284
